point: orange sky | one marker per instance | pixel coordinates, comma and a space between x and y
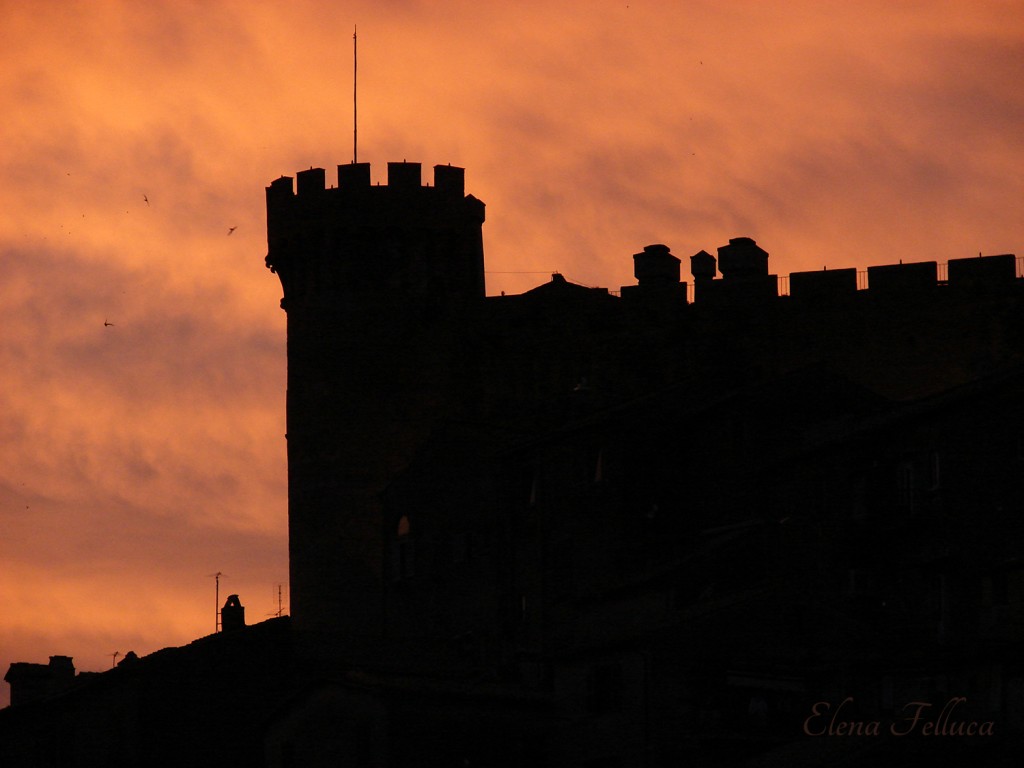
136, 459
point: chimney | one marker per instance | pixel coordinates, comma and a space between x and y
742, 258
232, 615
703, 269
655, 266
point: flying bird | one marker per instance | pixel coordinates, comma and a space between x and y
144, 197
231, 230
106, 323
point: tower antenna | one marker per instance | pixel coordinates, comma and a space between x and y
216, 601
355, 103
280, 605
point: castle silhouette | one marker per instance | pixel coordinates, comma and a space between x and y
591, 528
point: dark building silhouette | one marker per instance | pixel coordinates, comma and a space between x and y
584, 528
373, 278
37, 682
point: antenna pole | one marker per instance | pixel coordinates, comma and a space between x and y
216, 603
355, 103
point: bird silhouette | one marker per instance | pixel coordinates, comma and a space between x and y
231, 230
106, 323
144, 197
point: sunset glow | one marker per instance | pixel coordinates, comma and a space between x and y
142, 349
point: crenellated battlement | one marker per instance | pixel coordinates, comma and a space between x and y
449, 181
296, 204
745, 278
359, 244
